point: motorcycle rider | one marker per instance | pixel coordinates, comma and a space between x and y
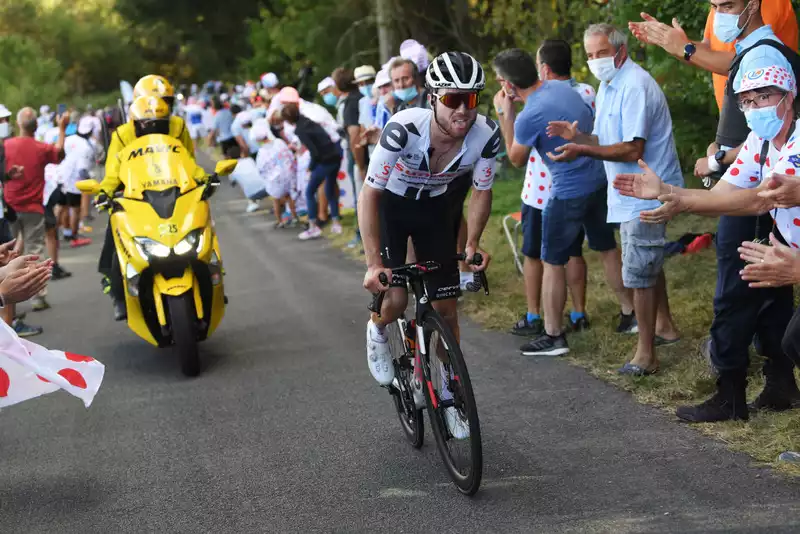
153, 112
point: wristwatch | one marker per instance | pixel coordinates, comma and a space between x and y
719, 156
688, 51
2, 302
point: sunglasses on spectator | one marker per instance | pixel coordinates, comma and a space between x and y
454, 100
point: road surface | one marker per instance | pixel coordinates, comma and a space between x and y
285, 430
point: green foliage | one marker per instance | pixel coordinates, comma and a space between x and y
27, 76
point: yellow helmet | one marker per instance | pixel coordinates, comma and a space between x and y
155, 85
150, 115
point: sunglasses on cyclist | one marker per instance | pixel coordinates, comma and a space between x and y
454, 100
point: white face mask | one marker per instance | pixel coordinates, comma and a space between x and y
603, 68
5, 130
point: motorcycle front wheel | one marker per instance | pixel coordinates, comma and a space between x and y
183, 322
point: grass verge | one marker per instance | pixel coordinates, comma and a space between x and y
684, 377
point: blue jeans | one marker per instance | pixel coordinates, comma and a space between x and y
351, 168
323, 172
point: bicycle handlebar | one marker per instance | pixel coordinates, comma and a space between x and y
479, 278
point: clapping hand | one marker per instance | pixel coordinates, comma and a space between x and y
24, 279
646, 185
783, 190
7, 252
770, 266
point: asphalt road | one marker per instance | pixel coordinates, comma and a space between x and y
285, 430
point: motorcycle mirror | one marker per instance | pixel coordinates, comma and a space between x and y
88, 186
225, 167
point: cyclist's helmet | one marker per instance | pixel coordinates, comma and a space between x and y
455, 70
150, 115
155, 85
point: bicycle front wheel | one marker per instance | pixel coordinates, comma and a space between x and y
411, 419
451, 405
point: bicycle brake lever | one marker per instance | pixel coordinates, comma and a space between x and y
484, 282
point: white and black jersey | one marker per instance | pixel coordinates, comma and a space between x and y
401, 158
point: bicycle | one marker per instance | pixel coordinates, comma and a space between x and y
447, 385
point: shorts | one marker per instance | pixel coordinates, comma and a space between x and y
259, 195
642, 253
532, 235
564, 219
432, 224
57, 198
227, 144
73, 200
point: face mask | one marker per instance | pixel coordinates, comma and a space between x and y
726, 26
366, 90
329, 99
407, 94
764, 122
603, 68
5, 130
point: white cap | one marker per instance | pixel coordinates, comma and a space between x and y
269, 80
325, 84
44, 109
4, 113
382, 78
85, 126
223, 97
411, 49
261, 131
364, 73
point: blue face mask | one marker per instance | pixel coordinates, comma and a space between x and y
366, 90
330, 99
764, 122
726, 26
407, 94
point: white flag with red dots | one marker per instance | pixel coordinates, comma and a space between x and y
28, 370
536, 189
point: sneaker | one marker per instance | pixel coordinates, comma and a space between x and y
627, 324
252, 206
24, 329
379, 358
581, 325
120, 311
546, 345
789, 457
524, 328
336, 228
59, 273
80, 242
355, 242
458, 427
40, 304
313, 232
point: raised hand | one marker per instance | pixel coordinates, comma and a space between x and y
646, 185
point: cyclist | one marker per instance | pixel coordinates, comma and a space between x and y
418, 177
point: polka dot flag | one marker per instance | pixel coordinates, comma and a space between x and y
28, 370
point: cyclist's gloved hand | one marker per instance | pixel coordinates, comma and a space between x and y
470, 252
372, 282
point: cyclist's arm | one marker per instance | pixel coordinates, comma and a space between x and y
369, 224
480, 203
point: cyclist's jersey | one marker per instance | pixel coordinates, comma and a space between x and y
400, 160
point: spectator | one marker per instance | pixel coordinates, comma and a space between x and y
5, 126
771, 147
349, 111
242, 123
246, 176
77, 165
24, 193
72, 127
326, 158
578, 201
277, 168
633, 123
741, 314
269, 81
383, 85
407, 87
221, 131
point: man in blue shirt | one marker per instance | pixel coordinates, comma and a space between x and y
633, 122
578, 195
221, 133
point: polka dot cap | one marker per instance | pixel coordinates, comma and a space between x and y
768, 77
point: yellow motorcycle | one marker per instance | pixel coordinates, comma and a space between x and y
168, 252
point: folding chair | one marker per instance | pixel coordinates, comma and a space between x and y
513, 240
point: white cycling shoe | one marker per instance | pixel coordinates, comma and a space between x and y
379, 358
457, 426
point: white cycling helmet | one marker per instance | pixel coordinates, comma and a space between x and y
455, 70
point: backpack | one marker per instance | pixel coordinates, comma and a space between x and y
792, 56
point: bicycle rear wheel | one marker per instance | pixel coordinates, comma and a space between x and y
449, 397
411, 418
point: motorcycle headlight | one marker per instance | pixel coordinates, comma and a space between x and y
150, 248
193, 242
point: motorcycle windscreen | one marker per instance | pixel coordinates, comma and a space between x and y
157, 163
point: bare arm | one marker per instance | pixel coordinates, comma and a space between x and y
630, 152
369, 224
724, 199
480, 206
354, 134
716, 61
517, 153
